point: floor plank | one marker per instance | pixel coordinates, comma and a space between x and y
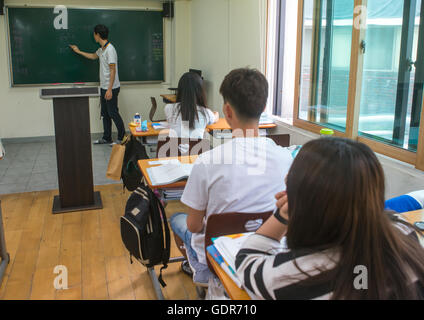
87, 243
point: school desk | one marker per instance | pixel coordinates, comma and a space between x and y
222, 124
145, 164
414, 216
236, 293
149, 133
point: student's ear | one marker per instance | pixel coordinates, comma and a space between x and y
228, 112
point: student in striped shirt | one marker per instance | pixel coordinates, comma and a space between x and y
340, 242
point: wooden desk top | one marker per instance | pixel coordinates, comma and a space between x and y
170, 97
222, 124
149, 133
236, 293
414, 216
145, 164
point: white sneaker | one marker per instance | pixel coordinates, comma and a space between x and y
115, 142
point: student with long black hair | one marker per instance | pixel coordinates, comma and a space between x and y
190, 115
341, 244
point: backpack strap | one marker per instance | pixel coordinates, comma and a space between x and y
157, 206
167, 251
162, 283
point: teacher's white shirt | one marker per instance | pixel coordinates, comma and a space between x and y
108, 56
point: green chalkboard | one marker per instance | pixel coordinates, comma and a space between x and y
40, 54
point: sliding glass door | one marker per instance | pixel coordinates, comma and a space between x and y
360, 71
327, 37
392, 81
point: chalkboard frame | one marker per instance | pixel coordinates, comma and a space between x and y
9, 53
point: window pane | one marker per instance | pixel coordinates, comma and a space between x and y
326, 51
388, 79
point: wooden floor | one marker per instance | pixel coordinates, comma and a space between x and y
88, 243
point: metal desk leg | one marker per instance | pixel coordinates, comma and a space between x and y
156, 284
154, 277
3, 253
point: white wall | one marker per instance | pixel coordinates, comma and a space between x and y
23, 114
226, 34
214, 36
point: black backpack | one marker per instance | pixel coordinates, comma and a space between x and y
131, 174
145, 231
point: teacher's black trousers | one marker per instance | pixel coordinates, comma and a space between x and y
109, 112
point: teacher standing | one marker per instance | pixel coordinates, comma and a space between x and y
109, 84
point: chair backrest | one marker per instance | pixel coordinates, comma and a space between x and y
177, 147
231, 223
282, 140
153, 108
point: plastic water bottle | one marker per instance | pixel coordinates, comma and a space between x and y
137, 119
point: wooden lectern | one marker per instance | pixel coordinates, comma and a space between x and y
73, 149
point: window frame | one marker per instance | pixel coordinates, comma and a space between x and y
279, 54
354, 95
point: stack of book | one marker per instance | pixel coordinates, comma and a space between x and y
160, 125
173, 194
224, 251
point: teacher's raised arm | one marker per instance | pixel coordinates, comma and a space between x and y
92, 56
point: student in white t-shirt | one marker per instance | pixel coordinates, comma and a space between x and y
189, 116
242, 175
109, 84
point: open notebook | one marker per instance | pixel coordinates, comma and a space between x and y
169, 173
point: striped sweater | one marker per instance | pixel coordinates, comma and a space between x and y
268, 270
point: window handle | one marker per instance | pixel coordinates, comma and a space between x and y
363, 46
410, 63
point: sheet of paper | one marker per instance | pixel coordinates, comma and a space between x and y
229, 246
169, 173
160, 125
162, 162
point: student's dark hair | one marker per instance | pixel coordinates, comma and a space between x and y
102, 31
336, 193
246, 90
190, 94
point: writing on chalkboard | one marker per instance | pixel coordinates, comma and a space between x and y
157, 46
22, 71
42, 56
